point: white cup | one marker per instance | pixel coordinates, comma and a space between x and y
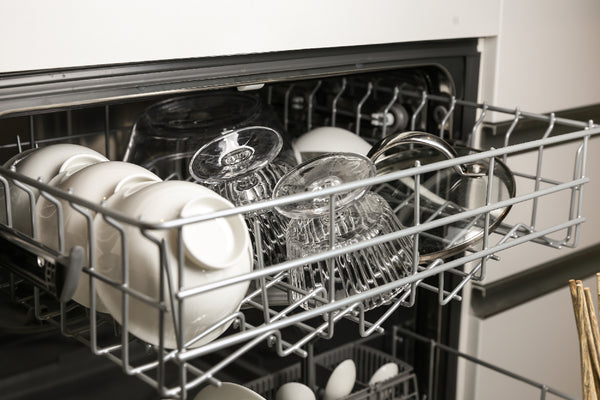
94, 183
43, 163
214, 250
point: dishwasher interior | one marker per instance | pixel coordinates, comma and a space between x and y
275, 335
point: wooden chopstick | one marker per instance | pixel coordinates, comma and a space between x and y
591, 342
587, 376
591, 310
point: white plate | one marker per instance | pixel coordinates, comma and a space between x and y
227, 391
384, 373
341, 381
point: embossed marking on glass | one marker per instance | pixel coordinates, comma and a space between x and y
358, 215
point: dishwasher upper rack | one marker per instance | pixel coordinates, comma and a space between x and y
246, 334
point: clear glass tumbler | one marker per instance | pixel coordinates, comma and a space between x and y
359, 215
242, 166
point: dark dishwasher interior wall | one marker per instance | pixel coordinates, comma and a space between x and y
39, 362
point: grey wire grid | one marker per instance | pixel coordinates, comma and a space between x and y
245, 336
367, 360
401, 335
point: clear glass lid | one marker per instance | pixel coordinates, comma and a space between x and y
234, 154
324, 171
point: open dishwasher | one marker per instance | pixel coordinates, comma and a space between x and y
372, 91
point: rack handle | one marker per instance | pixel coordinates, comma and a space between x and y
41, 266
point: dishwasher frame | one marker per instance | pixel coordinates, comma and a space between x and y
23, 95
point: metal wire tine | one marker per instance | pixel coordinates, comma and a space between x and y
32, 200
436, 290
319, 331
7, 201
538, 170
180, 283
580, 188
19, 147
32, 132
286, 106
360, 105
91, 250
486, 223
59, 219
124, 295
166, 270
375, 326
107, 131
335, 101
447, 116
416, 238
311, 104
230, 358
260, 265
237, 315
272, 282
387, 110
479, 121
413, 119
510, 130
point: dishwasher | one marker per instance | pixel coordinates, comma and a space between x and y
54, 346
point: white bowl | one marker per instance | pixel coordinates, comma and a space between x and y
214, 250
43, 163
94, 183
328, 139
294, 391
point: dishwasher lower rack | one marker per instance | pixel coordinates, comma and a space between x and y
258, 320
367, 360
402, 337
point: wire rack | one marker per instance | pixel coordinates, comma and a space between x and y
28, 260
401, 337
367, 360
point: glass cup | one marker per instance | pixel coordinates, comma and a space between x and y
168, 133
242, 167
359, 215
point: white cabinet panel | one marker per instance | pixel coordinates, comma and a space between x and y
65, 33
545, 56
537, 340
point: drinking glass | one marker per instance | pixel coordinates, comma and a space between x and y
359, 215
242, 166
168, 133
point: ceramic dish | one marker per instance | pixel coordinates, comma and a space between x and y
214, 250
328, 139
341, 381
294, 391
94, 183
43, 163
227, 391
383, 373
